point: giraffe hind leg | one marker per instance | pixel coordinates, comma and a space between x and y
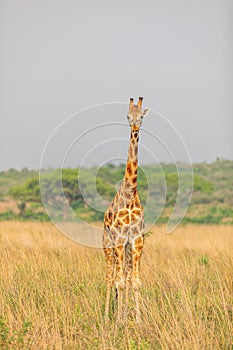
136, 283
109, 256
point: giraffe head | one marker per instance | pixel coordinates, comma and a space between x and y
136, 114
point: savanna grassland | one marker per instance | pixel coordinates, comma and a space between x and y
52, 291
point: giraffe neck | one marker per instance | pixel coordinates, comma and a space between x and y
130, 178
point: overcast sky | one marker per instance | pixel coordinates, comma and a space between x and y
58, 57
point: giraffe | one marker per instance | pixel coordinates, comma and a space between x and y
123, 235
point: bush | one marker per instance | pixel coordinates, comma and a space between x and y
8, 215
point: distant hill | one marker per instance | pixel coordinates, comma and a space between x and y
212, 197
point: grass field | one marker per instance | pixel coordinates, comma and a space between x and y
52, 291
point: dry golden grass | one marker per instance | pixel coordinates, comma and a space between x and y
52, 291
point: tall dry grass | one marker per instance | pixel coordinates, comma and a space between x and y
52, 291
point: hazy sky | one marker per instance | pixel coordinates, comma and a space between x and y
58, 57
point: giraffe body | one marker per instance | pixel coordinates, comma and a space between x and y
124, 226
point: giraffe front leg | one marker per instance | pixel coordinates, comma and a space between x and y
136, 282
120, 280
109, 256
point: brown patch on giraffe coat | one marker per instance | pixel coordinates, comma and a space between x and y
129, 168
132, 205
118, 251
138, 243
113, 234
127, 184
121, 241
136, 212
121, 203
137, 202
125, 230
134, 219
135, 231
122, 213
134, 180
118, 223
126, 219
106, 218
116, 198
127, 177
114, 209
134, 164
111, 216
128, 195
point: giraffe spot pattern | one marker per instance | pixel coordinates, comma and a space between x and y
126, 219
122, 213
129, 169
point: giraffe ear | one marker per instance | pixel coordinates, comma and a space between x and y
145, 112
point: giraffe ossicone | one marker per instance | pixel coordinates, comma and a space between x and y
123, 236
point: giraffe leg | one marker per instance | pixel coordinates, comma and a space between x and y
109, 256
136, 283
120, 280
128, 274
